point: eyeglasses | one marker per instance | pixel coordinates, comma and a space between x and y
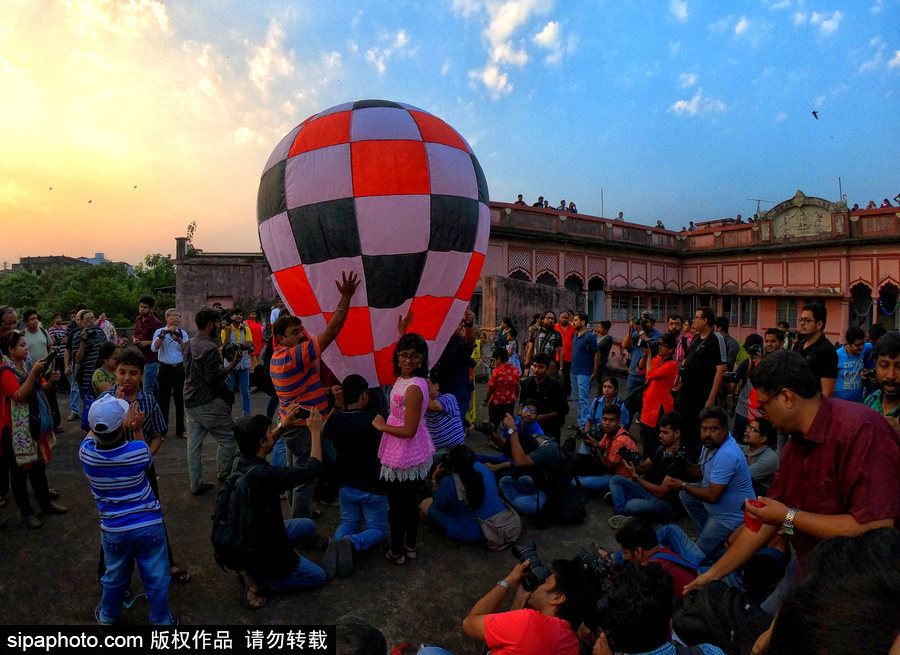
414, 357
804, 321
528, 410
762, 405
750, 428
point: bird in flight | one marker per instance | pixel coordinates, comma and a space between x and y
815, 114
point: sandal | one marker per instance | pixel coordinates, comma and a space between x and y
396, 559
411, 553
180, 575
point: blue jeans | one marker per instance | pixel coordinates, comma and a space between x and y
243, 382
307, 575
485, 458
592, 482
279, 454
150, 384
74, 395
632, 499
712, 533
676, 540
371, 508
632, 382
522, 494
581, 389
147, 547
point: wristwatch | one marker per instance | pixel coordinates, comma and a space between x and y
504, 584
788, 525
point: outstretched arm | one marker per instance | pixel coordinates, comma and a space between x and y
347, 286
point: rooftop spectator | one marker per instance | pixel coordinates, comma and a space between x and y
519, 200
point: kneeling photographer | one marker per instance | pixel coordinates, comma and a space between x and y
549, 604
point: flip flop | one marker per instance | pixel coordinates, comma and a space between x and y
396, 559
181, 575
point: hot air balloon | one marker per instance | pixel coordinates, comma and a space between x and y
391, 192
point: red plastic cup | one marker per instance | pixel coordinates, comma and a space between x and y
751, 523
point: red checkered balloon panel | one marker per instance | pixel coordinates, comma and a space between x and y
388, 191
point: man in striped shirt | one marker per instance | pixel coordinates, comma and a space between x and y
296, 380
130, 516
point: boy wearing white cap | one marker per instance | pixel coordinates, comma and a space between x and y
131, 521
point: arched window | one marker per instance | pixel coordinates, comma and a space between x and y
547, 279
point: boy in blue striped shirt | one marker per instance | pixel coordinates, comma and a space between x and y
131, 526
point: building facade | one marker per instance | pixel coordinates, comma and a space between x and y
754, 273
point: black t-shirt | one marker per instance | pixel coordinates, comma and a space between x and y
668, 463
550, 397
822, 357
356, 442
698, 370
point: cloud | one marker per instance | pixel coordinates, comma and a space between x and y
379, 56
895, 62
783, 4
877, 57
401, 39
549, 39
799, 17
781, 116
828, 25
675, 48
496, 81
741, 26
679, 9
268, 61
721, 25
352, 45
877, 7
245, 134
698, 104
466, 7
445, 68
686, 80
131, 18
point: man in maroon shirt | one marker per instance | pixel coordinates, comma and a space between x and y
144, 326
839, 473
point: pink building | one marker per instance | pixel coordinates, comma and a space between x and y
756, 273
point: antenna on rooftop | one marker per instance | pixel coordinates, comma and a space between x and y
759, 200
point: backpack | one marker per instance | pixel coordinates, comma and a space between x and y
722, 616
500, 530
235, 542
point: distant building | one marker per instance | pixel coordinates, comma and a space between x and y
44, 264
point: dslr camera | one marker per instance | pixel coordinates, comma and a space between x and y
230, 351
537, 572
633, 457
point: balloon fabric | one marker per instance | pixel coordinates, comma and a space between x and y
393, 193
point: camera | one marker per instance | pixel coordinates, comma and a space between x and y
484, 428
230, 351
731, 377
653, 344
868, 377
633, 457
593, 562
536, 573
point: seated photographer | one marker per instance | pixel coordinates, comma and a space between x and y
639, 615
526, 425
456, 510
640, 544
643, 494
280, 568
716, 504
528, 493
608, 453
541, 621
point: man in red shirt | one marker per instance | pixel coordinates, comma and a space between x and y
567, 330
145, 325
615, 437
503, 387
839, 473
540, 622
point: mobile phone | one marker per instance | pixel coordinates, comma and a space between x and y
50, 358
303, 412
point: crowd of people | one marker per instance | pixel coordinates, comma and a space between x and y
770, 448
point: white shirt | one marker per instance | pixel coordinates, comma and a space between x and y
170, 351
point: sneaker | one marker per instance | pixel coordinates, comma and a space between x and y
330, 559
607, 498
99, 620
345, 557
203, 488
73, 417
54, 508
619, 521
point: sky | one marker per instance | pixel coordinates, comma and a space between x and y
123, 122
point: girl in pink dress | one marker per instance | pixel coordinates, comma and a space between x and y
406, 449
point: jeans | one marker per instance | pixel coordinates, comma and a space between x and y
632, 499
581, 389
307, 575
243, 382
151, 385
522, 494
171, 385
632, 382
213, 418
74, 395
712, 533
297, 443
592, 482
147, 547
279, 454
675, 539
371, 508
